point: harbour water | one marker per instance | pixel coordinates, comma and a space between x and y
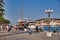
52, 28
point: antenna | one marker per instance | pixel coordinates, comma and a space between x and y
22, 11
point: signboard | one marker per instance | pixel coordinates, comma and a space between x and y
49, 34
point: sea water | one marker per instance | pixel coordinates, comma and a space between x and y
52, 28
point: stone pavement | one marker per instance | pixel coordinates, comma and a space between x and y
27, 36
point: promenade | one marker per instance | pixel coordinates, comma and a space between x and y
17, 35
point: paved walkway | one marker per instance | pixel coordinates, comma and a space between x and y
33, 36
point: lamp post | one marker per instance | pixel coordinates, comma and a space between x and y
49, 11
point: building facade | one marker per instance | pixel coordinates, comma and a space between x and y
48, 21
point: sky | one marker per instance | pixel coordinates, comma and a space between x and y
32, 9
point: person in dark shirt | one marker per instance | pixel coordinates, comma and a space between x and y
36, 28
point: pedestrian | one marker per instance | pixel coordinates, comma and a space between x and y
10, 27
1, 27
29, 29
54, 31
30, 32
36, 29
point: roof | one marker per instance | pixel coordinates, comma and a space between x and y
48, 18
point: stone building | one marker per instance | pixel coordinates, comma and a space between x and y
48, 21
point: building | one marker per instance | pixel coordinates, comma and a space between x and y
31, 22
48, 21
21, 22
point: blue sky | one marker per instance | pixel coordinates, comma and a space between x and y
33, 9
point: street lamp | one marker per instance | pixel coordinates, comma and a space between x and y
49, 11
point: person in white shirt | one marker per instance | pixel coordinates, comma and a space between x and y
29, 29
1, 27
